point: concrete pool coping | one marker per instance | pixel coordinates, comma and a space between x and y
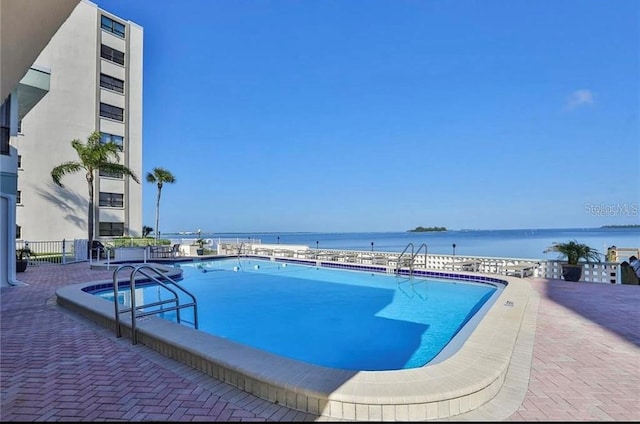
470, 378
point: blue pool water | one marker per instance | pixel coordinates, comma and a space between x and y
336, 318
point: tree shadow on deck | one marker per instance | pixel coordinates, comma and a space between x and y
615, 307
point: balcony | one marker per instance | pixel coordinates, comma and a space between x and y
32, 88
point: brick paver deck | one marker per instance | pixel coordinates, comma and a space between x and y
56, 366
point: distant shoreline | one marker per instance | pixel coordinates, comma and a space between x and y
222, 233
427, 229
622, 226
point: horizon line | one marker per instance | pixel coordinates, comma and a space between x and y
403, 231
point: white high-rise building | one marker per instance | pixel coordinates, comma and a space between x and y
94, 69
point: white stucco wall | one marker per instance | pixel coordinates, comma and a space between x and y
71, 111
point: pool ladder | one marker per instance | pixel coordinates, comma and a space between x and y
240, 252
137, 311
411, 259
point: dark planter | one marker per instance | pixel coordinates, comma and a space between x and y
21, 265
199, 252
571, 272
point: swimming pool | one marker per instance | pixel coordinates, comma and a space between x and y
341, 319
473, 375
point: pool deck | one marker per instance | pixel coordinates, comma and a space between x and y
576, 359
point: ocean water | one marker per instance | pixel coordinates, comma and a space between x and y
525, 243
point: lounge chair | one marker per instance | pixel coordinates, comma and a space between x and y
521, 270
380, 260
98, 251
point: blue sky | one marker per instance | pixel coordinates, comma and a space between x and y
373, 115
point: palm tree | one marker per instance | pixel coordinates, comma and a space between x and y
574, 252
94, 155
146, 230
159, 176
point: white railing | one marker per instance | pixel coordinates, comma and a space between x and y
61, 252
598, 272
187, 246
52, 252
237, 241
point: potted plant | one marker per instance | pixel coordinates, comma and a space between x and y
573, 252
200, 250
22, 259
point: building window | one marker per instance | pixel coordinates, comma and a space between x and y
112, 200
107, 229
112, 55
112, 112
18, 231
117, 139
4, 140
20, 161
5, 133
112, 26
19, 197
107, 174
111, 83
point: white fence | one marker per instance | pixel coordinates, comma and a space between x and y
598, 272
54, 252
61, 252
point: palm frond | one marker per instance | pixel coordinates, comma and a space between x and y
118, 168
161, 175
574, 251
63, 169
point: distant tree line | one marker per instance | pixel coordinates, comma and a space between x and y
621, 226
427, 229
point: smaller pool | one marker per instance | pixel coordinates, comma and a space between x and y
341, 319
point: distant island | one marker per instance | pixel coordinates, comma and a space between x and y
427, 229
622, 226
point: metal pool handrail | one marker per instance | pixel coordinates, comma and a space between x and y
399, 264
137, 311
413, 257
